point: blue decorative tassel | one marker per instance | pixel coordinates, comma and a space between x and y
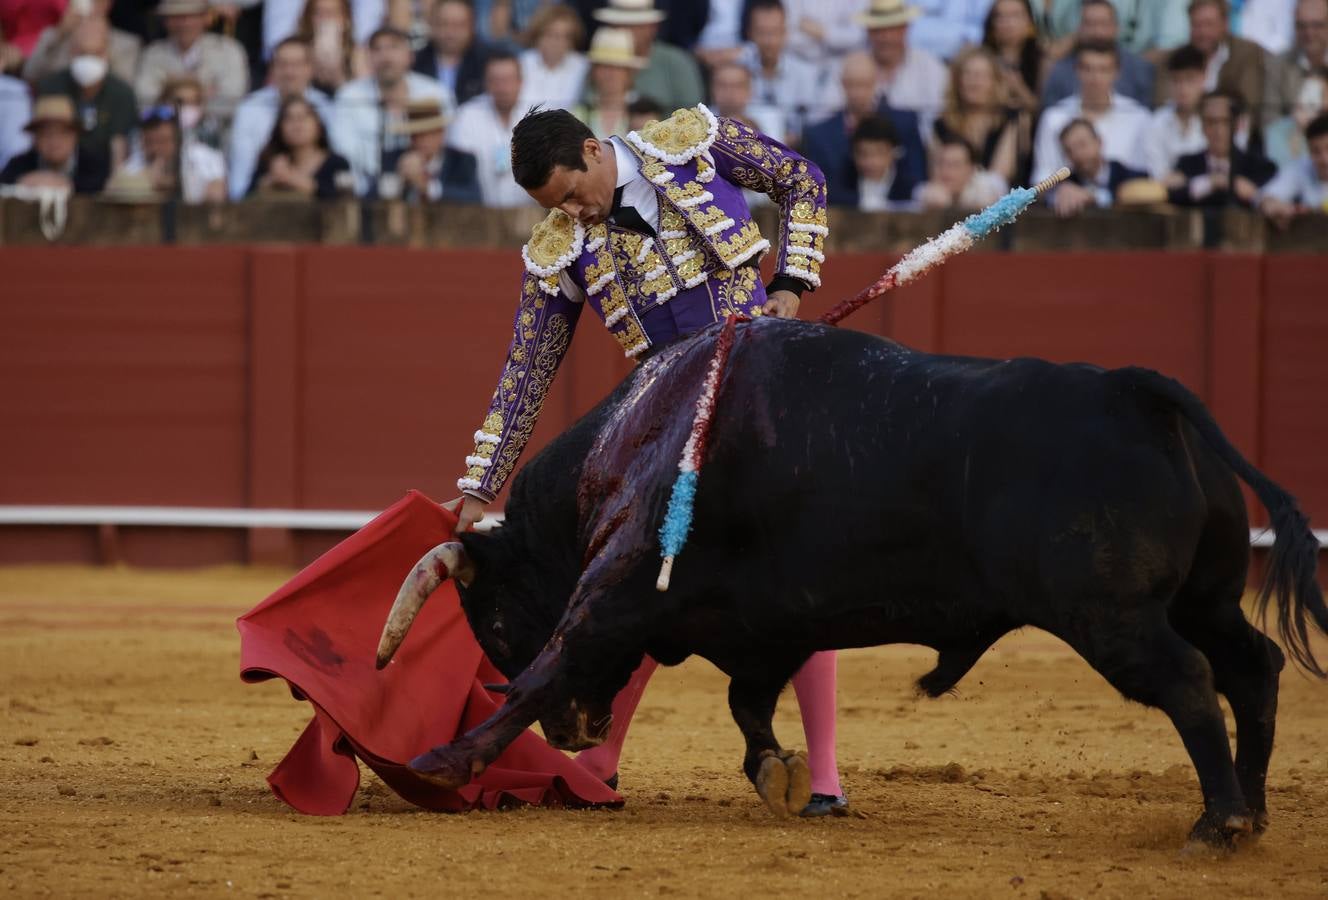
678, 520
1002, 212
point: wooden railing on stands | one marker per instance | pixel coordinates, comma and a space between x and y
94, 222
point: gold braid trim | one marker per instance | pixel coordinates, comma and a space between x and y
768, 169
547, 353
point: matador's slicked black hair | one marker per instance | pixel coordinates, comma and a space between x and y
544, 139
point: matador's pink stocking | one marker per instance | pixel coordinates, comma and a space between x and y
815, 686
602, 761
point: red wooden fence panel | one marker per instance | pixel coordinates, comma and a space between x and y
329, 377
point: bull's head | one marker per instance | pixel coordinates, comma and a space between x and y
513, 606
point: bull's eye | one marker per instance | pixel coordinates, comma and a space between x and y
497, 629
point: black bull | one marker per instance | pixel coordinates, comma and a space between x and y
858, 493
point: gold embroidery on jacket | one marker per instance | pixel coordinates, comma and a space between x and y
547, 353
768, 170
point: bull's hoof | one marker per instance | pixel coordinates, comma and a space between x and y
446, 767
1260, 822
784, 782
1218, 834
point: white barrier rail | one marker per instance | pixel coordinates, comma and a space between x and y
196, 517
299, 519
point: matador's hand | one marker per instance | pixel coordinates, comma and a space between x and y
468, 509
783, 304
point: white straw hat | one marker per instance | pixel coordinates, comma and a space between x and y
629, 12
614, 47
887, 14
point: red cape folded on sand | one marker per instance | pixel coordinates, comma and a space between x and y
320, 632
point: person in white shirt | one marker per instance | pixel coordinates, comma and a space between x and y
910, 77
957, 181
1094, 180
944, 27
720, 41
1267, 23
218, 62
553, 74
1306, 58
281, 19
290, 75
483, 128
824, 31
15, 110
203, 169
1119, 121
367, 112
1302, 187
802, 91
882, 184
1175, 129
731, 96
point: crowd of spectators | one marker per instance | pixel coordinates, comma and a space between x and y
905, 104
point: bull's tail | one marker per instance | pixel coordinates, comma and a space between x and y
1290, 579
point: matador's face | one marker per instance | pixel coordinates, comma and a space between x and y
586, 196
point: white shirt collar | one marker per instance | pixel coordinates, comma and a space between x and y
628, 165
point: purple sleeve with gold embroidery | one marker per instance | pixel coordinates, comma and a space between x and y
752, 160
541, 335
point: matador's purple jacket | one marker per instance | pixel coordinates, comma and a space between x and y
704, 256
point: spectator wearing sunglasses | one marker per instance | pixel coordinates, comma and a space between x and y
200, 177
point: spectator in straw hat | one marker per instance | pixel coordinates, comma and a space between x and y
614, 66
907, 77
217, 61
363, 106
671, 76
106, 107
55, 159
430, 170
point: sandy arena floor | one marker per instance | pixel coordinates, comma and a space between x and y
126, 745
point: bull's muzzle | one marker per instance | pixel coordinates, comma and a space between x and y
445, 561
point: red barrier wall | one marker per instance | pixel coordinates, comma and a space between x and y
323, 377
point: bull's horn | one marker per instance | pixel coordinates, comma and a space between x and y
498, 688
442, 562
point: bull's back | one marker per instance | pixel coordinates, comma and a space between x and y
909, 470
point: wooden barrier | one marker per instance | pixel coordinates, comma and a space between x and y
94, 222
338, 377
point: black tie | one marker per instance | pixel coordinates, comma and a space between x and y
627, 216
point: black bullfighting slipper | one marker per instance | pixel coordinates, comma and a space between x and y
612, 781
825, 805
